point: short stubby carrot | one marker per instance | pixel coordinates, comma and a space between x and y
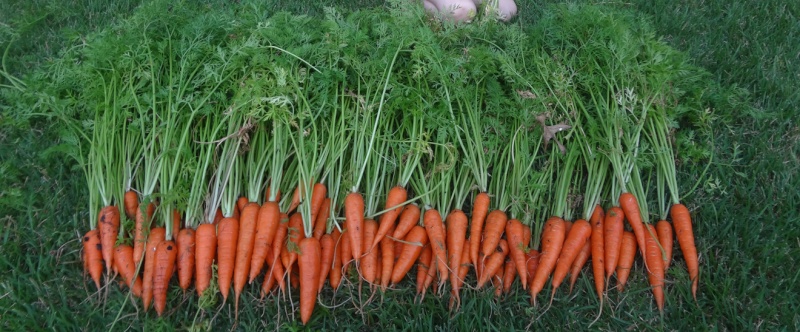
205, 251
435, 229
655, 266
326, 244
354, 220
108, 225
509, 272
165, 256
515, 235
186, 256
131, 201
269, 216
630, 206
492, 231
397, 195
597, 251
93, 255
480, 209
412, 248
123, 259
407, 220
531, 262
227, 238
553, 236
308, 264
626, 256
665, 237
682, 221
156, 236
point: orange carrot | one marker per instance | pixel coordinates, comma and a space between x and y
296, 231
123, 259
326, 245
205, 250
166, 252
435, 229
218, 216
576, 239
277, 246
597, 252
321, 221
408, 219
186, 250
416, 238
664, 229
509, 272
552, 241
139, 234
567, 228
397, 195
626, 256
424, 268
131, 201
241, 202
295, 199
630, 206
492, 231
318, 193
269, 280
269, 216
93, 255
347, 252
369, 261
655, 265
526, 238
244, 250
531, 262
578, 263
336, 268
294, 276
387, 259
227, 238
494, 261
176, 221
354, 220
156, 236
309, 260
515, 234
480, 208
612, 238
463, 269
108, 225
456, 237
682, 221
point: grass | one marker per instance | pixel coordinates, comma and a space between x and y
745, 209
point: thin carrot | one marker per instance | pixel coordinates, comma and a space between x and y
139, 234
493, 262
335, 277
515, 234
156, 236
354, 220
435, 229
630, 206
431, 274
108, 225
166, 252
626, 256
131, 203
416, 238
269, 280
682, 221
552, 241
480, 209
369, 261
321, 221
463, 269
296, 232
326, 244
347, 252
227, 238
492, 231
613, 228
186, 257
93, 255
423, 267
205, 251
396, 196
597, 252
269, 216
497, 280
665, 237
456, 238
176, 221
277, 246
578, 263
387, 259
309, 260
576, 239
509, 272
526, 237
655, 266
123, 259
244, 250
408, 219
318, 194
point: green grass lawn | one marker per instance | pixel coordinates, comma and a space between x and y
747, 224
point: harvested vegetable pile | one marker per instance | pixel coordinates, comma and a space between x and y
287, 154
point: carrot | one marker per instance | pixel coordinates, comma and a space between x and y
186, 251
269, 216
266, 195
456, 237
326, 245
309, 260
493, 262
431, 276
480, 208
576, 239
531, 262
408, 219
655, 266
497, 280
578, 263
295, 199
295, 233
435, 229
567, 227
526, 237
682, 221
227, 238
321, 221
269, 280
626, 256
108, 225
552, 241
143, 221
630, 206
387, 259
423, 267
369, 261
597, 252
156, 236
123, 259
244, 249
612, 238
416, 238
336, 268
515, 234
218, 216
354, 220
294, 276
397, 195
166, 252
664, 229
378, 266
277, 246
463, 269
347, 252
176, 221
131, 203
205, 250
93, 255
509, 272
241, 202
492, 231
